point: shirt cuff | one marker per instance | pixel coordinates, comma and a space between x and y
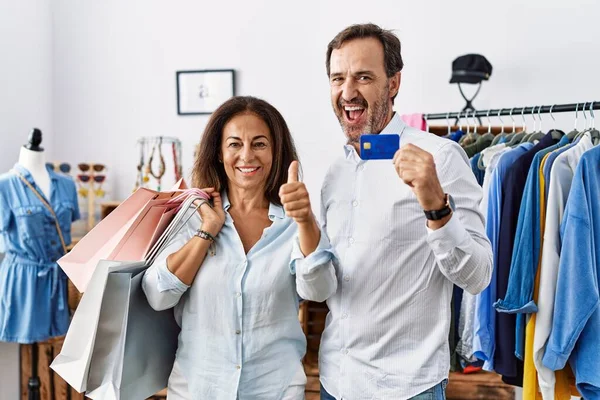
553, 360
448, 237
504, 307
304, 266
167, 281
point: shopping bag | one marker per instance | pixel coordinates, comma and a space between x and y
136, 346
150, 224
73, 362
126, 234
97, 244
97, 328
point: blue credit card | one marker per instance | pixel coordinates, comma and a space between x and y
379, 147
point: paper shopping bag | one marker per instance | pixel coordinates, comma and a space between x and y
136, 356
73, 362
100, 242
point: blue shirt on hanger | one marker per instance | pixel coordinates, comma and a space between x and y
484, 320
456, 135
33, 287
575, 334
526, 250
512, 193
479, 173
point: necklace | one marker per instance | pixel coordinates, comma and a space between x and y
161, 166
175, 149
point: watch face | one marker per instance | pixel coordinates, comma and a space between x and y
451, 203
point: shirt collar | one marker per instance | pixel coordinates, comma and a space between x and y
27, 175
396, 125
275, 211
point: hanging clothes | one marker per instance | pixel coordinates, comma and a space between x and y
526, 246
562, 170
575, 332
33, 289
415, 120
484, 344
506, 363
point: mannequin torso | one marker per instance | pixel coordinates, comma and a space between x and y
35, 163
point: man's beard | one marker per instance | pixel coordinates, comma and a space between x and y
376, 117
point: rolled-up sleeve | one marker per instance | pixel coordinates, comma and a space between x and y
162, 288
461, 247
315, 274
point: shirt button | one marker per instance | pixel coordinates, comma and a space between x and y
351, 240
344, 316
238, 294
53, 242
238, 332
238, 367
346, 278
344, 351
355, 203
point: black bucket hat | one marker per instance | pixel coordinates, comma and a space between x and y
470, 68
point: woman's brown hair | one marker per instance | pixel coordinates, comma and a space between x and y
209, 171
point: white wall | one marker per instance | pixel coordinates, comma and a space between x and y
115, 63
25, 76
25, 102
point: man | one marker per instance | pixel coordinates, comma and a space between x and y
404, 232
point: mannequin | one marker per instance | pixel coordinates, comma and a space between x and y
37, 207
33, 159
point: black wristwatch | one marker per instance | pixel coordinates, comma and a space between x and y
436, 215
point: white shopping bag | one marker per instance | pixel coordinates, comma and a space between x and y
117, 346
73, 362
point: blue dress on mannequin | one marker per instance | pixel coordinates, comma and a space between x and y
33, 289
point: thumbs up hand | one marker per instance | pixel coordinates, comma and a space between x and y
294, 197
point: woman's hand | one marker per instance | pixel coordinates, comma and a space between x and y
294, 198
213, 217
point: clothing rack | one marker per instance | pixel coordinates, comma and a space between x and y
557, 108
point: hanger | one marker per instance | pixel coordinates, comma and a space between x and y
571, 135
501, 134
585, 124
460, 127
516, 138
527, 134
556, 134
488, 134
475, 133
539, 134
594, 133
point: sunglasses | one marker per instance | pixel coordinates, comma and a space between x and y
85, 178
84, 167
65, 168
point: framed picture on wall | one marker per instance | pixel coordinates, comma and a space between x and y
201, 92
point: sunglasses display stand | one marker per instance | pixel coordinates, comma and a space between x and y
91, 175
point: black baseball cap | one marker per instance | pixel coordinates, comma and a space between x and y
470, 68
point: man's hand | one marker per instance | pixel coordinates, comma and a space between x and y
294, 197
416, 168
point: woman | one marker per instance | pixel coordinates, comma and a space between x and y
238, 306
